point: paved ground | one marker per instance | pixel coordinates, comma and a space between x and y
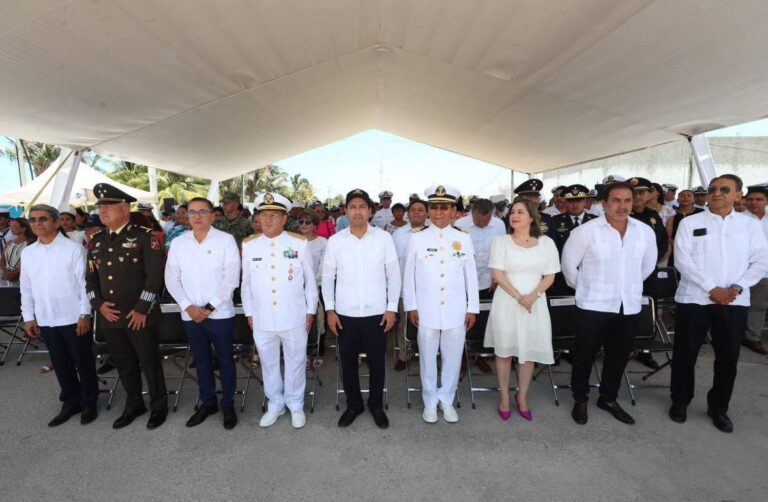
480, 458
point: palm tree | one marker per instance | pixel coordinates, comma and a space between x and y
39, 155
180, 187
270, 178
300, 189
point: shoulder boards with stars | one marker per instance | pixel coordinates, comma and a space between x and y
418, 229
297, 235
463, 230
251, 237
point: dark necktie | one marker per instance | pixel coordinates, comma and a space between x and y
575, 221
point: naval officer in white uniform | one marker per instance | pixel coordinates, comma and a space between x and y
280, 300
383, 215
440, 294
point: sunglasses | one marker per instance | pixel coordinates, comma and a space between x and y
444, 206
41, 219
306, 222
723, 190
202, 212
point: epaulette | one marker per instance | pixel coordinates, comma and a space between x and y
251, 237
419, 229
297, 235
460, 229
97, 233
146, 229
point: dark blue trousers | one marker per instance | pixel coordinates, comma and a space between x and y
220, 333
74, 364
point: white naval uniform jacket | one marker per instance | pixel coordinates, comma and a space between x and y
440, 279
279, 287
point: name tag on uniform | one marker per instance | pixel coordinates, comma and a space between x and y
255, 259
432, 250
129, 245
699, 232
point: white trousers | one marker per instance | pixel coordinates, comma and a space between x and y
450, 343
290, 392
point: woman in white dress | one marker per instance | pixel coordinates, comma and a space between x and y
309, 220
524, 264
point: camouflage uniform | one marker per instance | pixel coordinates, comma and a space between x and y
239, 228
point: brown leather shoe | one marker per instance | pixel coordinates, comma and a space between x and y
399, 365
755, 346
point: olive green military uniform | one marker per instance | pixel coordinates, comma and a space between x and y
127, 269
239, 228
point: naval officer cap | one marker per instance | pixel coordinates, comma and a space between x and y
671, 187
763, 189
272, 202
640, 183
442, 193
107, 194
144, 206
592, 194
531, 186
386, 194
414, 196
575, 192
699, 190
498, 199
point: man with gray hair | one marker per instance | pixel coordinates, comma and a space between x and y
54, 305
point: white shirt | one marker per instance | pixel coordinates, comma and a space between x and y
596, 209
605, 270
763, 221
713, 251
361, 277
53, 282
198, 273
382, 217
317, 250
552, 210
279, 288
77, 236
440, 278
482, 239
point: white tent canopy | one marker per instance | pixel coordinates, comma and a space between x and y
530, 85
82, 188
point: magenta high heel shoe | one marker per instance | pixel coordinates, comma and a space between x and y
505, 415
525, 414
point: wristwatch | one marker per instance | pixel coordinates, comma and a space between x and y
85, 316
738, 288
209, 307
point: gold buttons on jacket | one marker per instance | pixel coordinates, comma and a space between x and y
274, 303
109, 277
274, 291
109, 263
111, 292
274, 279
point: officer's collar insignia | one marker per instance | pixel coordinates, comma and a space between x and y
268, 198
653, 221
440, 191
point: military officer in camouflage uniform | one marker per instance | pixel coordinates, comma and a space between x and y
531, 190
575, 215
233, 222
123, 281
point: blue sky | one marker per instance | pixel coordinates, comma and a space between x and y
376, 161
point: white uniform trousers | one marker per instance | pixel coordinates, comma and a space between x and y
291, 392
450, 343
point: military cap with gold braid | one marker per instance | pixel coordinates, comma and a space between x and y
442, 193
272, 202
531, 186
640, 183
107, 194
576, 192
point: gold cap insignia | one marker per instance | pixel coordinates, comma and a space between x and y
269, 199
440, 191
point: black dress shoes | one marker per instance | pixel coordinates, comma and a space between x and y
617, 411
156, 419
647, 360
348, 417
230, 418
128, 417
678, 413
380, 418
201, 414
64, 415
88, 414
579, 413
721, 420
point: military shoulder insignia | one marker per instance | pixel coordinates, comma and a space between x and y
464, 230
297, 235
251, 237
154, 242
